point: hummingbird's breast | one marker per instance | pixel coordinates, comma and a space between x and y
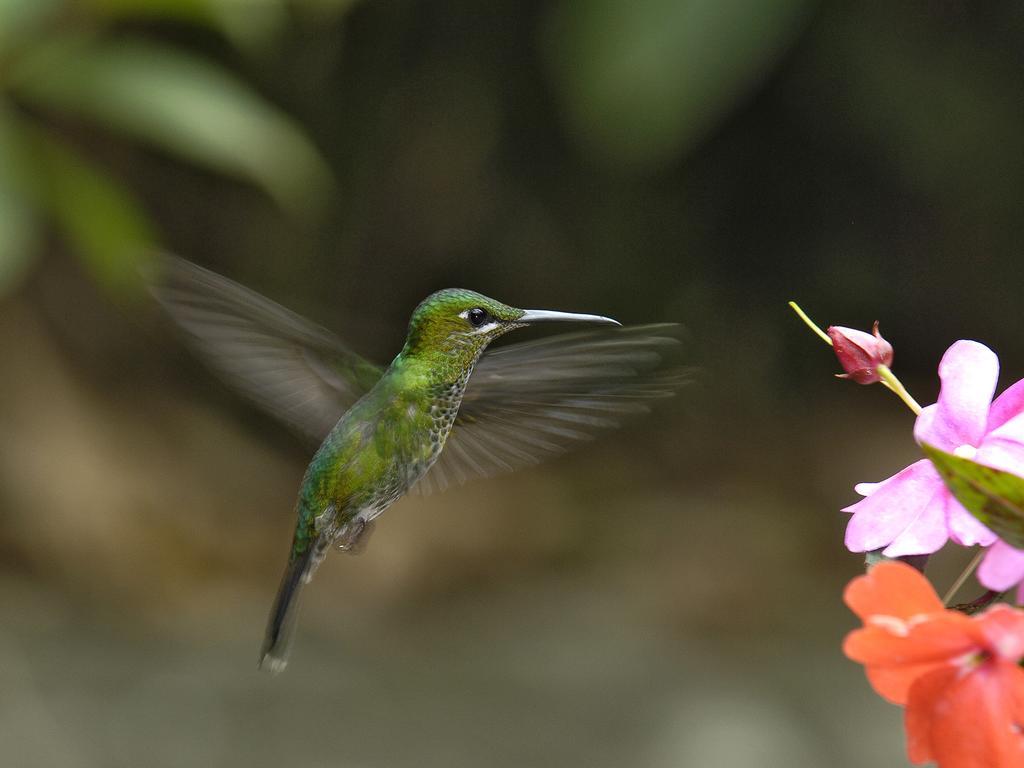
378, 450
408, 435
415, 436
444, 407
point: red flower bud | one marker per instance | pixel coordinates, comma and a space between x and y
860, 353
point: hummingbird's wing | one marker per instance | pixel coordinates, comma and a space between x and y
526, 402
296, 370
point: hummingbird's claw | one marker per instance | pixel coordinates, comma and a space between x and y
355, 536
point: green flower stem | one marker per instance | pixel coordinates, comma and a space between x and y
951, 593
810, 323
895, 385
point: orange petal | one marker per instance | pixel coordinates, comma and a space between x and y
894, 683
968, 719
921, 703
894, 661
1003, 630
939, 637
891, 589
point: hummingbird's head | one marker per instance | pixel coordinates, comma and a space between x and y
459, 324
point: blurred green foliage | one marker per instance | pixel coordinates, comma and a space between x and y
642, 82
61, 62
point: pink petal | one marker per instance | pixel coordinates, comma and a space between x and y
1006, 406
1003, 448
862, 339
1002, 567
866, 489
927, 534
894, 507
964, 528
968, 372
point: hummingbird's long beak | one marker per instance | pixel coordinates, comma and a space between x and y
550, 316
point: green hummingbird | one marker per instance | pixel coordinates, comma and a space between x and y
442, 411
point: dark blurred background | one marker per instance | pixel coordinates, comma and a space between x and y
668, 596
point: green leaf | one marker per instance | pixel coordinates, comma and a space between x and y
19, 17
641, 82
18, 231
249, 24
324, 9
993, 496
100, 218
17, 235
181, 103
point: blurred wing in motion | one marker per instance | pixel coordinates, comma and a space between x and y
526, 402
297, 371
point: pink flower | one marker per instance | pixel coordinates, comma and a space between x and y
1002, 568
860, 353
912, 512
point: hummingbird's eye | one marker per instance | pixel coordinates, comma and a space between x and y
477, 317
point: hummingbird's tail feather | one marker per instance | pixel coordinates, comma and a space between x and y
281, 625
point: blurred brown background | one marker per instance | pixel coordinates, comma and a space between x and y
668, 596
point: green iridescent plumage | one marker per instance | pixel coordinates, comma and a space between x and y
443, 410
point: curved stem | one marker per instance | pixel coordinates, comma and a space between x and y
895, 385
951, 593
810, 323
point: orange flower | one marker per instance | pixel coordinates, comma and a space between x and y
958, 676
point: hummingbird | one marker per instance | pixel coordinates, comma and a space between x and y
441, 412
